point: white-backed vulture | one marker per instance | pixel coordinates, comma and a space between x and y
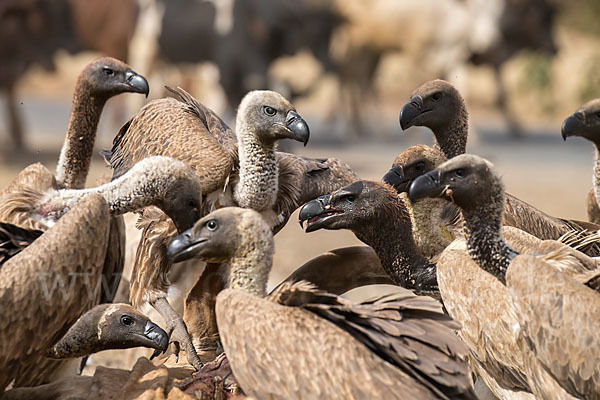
439, 106
585, 122
303, 343
256, 176
533, 324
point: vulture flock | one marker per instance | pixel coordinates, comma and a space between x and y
503, 300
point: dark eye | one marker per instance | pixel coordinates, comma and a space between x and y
108, 71
436, 96
350, 198
598, 115
270, 111
460, 172
126, 320
419, 166
212, 225
192, 203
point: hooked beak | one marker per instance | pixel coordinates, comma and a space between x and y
427, 185
297, 127
158, 338
411, 111
317, 212
573, 125
395, 177
137, 82
184, 246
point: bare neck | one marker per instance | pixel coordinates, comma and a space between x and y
430, 231
259, 173
76, 153
452, 140
249, 268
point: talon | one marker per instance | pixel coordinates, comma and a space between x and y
156, 353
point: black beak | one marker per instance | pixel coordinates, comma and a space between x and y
395, 177
137, 82
183, 246
410, 111
313, 209
297, 127
427, 185
573, 125
159, 338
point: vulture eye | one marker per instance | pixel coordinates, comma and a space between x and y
108, 71
419, 166
212, 225
350, 198
192, 203
436, 96
598, 115
126, 320
460, 172
270, 111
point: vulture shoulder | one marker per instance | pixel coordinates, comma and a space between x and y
53, 279
167, 127
409, 332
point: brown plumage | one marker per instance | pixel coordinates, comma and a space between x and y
584, 123
72, 252
440, 107
303, 343
239, 168
518, 325
378, 217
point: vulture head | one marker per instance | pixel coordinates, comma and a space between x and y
270, 117
585, 122
435, 105
223, 235
467, 180
110, 326
107, 77
357, 207
410, 164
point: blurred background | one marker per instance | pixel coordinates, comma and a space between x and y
348, 66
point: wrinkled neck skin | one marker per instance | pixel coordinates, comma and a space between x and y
128, 193
390, 236
81, 339
259, 173
596, 182
249, 268
76, 153
452, 141
430, 232
485, 243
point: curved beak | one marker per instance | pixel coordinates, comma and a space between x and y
410, 112
573, 125
157, 336
395, 177
427, 185
313, 211
138, 83
297, 127
184, 246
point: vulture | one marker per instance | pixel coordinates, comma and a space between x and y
375, 213
585, 122
438, 106
152, 181
300, 342
533, 323
109, 327
235, 169
99, 81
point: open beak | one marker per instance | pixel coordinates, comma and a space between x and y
395, 177
427, 185
573, 125
317, 212
138, 83
184, 246
297, 127
410, 112
159, 340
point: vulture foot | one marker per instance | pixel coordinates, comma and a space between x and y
178, 333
